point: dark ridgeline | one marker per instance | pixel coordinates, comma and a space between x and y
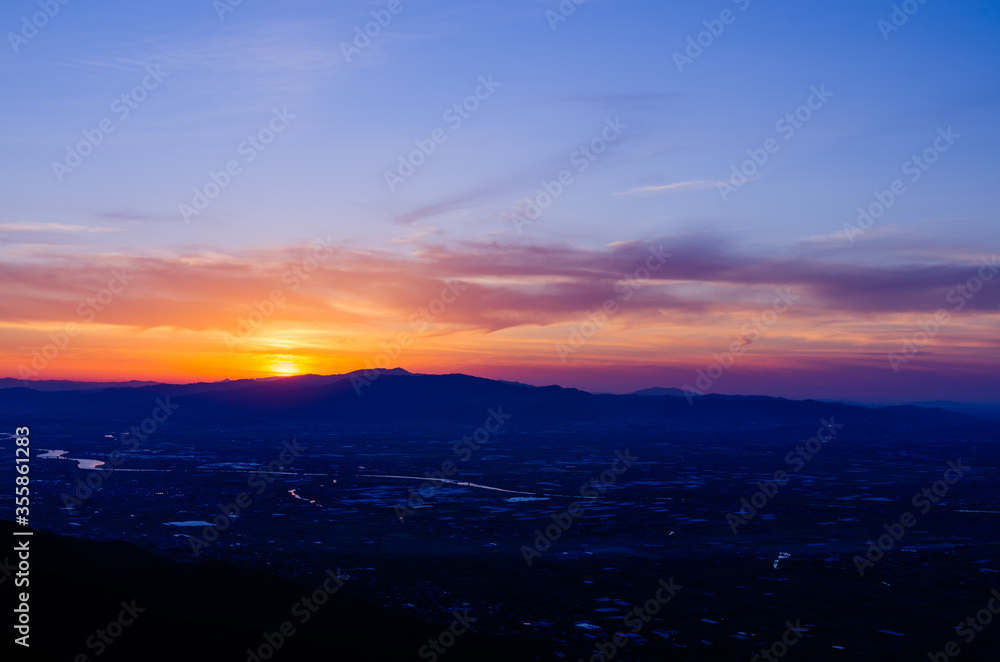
396, 397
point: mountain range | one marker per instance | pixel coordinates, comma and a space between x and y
398, 397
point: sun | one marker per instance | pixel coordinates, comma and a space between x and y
284, 368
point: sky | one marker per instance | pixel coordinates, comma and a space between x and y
793, 199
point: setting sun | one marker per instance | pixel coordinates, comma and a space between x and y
284, 368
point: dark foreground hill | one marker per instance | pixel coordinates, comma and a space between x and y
210, 611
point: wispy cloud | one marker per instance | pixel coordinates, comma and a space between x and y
693, 185
508, 284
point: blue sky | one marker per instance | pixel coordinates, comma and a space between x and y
608, 59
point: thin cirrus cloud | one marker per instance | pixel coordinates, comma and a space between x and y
693, 185
505, 285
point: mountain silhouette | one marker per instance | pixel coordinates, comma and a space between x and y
398, 397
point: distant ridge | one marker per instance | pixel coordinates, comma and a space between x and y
659, 390
68, 385
396, 397
989, 409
